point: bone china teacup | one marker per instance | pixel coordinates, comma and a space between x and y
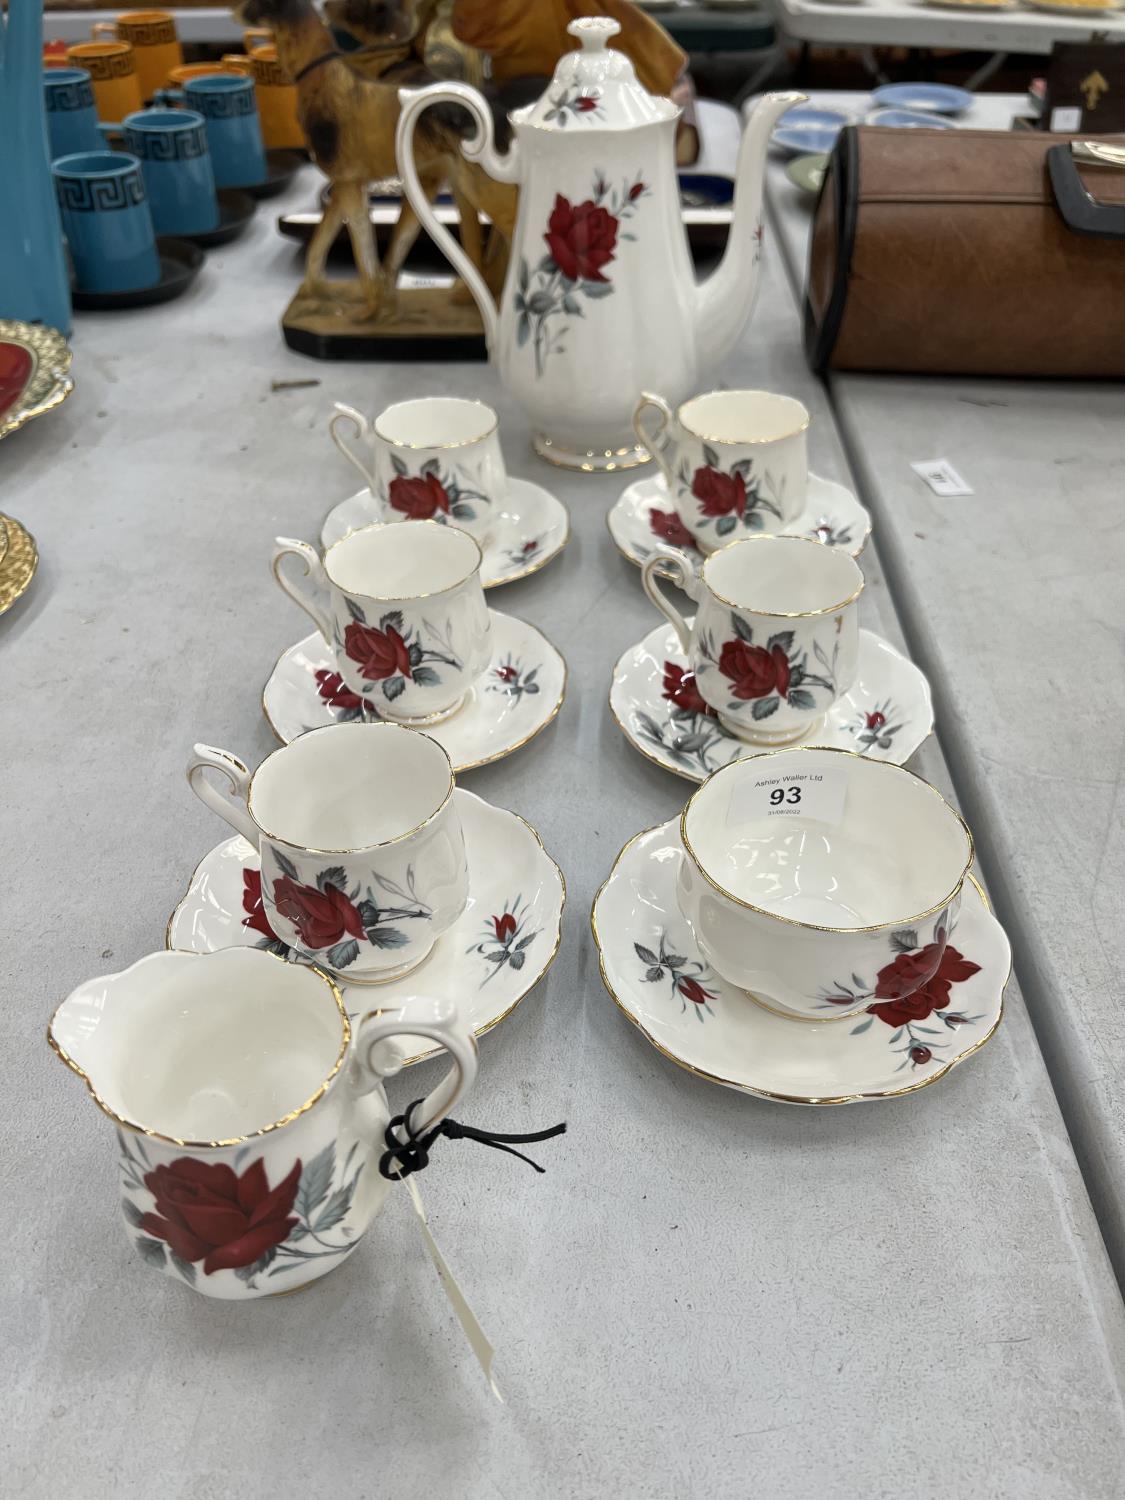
436, 459
776, 635
822, 882
406, 615
250, 1110
362, 852
734, 461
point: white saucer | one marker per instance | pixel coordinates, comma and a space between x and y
519, 694
885, 715
832, 514
494, 954
529, 530
652, 967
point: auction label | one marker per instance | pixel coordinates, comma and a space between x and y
942, 477
819, 795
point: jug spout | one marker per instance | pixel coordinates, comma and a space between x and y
726, 299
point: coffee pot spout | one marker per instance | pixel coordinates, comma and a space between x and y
726, 299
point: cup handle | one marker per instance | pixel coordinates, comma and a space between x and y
683, 577
110, 128
207, 758
419, 1016
345, 413
169, 98
314, 569
655, 442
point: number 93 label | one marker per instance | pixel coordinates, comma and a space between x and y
816, 796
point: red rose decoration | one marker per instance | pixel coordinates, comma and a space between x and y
915, 984
505, 927
719, 494
635, 191
692, 990
585, 104
667, 525
420, 499
920, 1055
205, 1212
320, 917
507, 673
680, 688
754, 671
876, 720
377, 653
581, 239
330, 686
255, 917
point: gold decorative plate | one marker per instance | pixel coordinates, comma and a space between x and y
49, 383
18, 564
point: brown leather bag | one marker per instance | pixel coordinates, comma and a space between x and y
971, 252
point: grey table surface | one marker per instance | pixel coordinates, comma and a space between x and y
706, 1293
1012, 600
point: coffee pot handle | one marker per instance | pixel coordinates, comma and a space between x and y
480, 149
658, 441
234, 812
681, 574
314, 570
362, 428
439, 1020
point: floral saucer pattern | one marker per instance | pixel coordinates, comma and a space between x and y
530, 528
654, 971
885, 715
519, 694
644, 519
487, 962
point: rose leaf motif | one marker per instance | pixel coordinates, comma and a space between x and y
151, 1251
764, 707
342, 954
356, 612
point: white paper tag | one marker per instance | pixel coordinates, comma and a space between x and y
1065, 119
942, 477
413, 281
806, 794
478, 1339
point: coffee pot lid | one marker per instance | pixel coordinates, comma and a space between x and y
596, 86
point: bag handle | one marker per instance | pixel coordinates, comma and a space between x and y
1081, 211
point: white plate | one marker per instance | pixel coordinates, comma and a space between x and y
484, 963
518, 694
644, 518
885, 715
652, 967
531, 528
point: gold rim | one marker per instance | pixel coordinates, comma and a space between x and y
690, 776
817, 926
173, 1140
19, 565
459, 768
50, 382
399, 598
478, 1031
393, 442
781, 614
781, 437
359, 848
761, 1093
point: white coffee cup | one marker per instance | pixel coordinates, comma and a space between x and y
406, 616
435, 459
735, 462
775, 640
363, 856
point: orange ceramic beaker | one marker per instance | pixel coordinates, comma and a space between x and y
113, 70
152, 36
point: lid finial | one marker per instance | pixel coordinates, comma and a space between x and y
594, 31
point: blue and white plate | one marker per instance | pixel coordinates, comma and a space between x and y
937, 98
805, 129
909, 119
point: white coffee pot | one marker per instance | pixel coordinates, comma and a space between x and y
600, 300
